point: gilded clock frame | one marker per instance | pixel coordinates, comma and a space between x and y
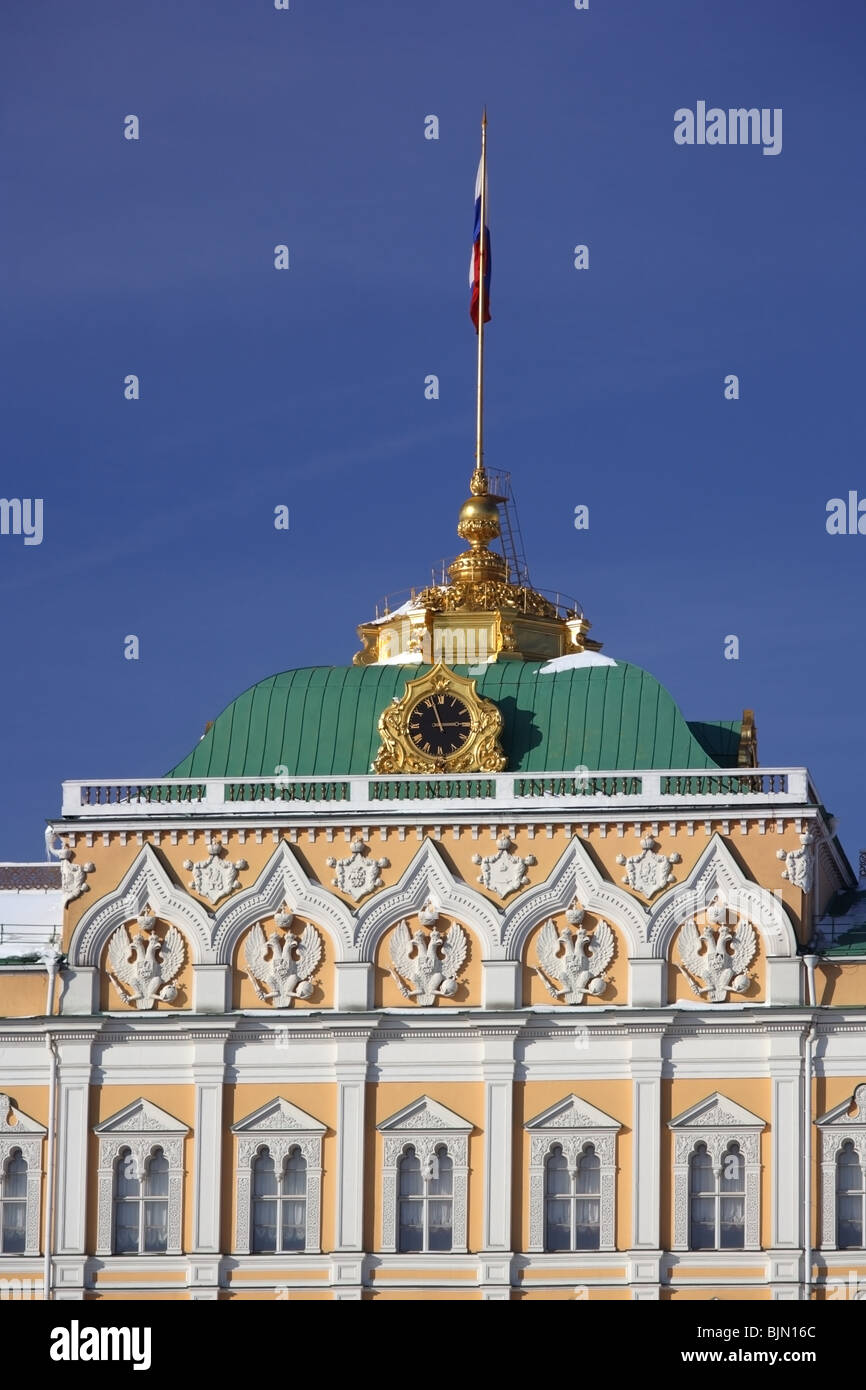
480, 753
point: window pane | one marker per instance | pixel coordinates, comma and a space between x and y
849, 1223
15, 1180
732, 1223
849, 1177
701, 1172
264, 1227
156, 1176
127, 1183
411, 1230
589, 1173
294, 1230
440, 1185
264, 1176
126, 1217
411, 1182
155, 1226
558, 1226
439, 1225
295, 1176
733, 1177
13, 1233
702, 1235
558, 1176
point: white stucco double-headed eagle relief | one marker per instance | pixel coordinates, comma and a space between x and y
430, 962
145, 963
576, 958
718, 954
284, 963
215, 877
649, 871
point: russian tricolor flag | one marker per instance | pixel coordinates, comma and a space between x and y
474, 263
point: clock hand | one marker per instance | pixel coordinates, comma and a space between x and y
438, 720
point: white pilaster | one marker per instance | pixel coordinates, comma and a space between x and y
646, 1054
351, 1077
209, 1077
73, 1094
787, 1141
498, 1125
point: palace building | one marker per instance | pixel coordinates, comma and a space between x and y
488, 979
470, 970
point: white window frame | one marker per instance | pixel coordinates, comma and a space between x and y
278, 1127
835, 1127
717, 1122
142, 1201
429, 1157
425, 1126
572, 1197
572, 1123
140, 1127
27, 1135
716, 1197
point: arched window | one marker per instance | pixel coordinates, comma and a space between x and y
572, 1201
279, 1204
140, 1205
717, 1200
13, 1205
425, 1194
850, 1198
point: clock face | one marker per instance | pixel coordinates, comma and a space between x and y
439, 724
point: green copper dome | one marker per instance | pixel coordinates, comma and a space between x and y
322, 721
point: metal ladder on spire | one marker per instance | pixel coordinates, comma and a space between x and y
511, 537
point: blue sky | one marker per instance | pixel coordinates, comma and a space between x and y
306, 387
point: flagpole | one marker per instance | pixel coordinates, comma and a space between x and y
479, 480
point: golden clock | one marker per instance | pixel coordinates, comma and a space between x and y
440, 724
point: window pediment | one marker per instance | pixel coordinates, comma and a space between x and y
140, 1117
278, 1115
572, 1113
14, 1122
424, 1114
716, 1112
840, 1117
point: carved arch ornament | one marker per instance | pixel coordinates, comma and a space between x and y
837, 1126
213, 937
717, 1122
426, 1126
279, 1127
572, 1124
26, 1135
140, 1127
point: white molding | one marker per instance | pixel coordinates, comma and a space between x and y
716, 871
145, 882
428, 876
574, 875
283, 878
